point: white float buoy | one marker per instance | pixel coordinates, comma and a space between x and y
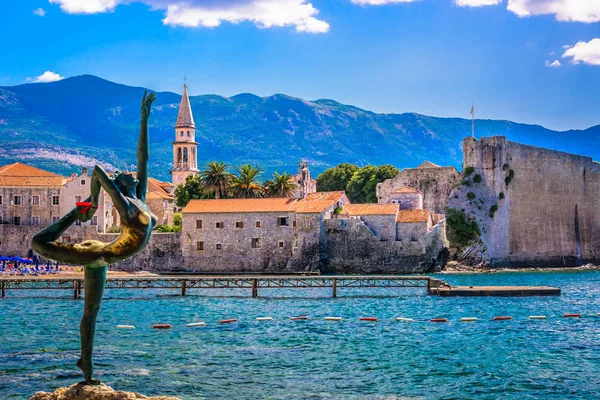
264, 318
401, 319
196, 324
125, 327
537, 317
468, 319
333, 318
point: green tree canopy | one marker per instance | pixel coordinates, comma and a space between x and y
190, 190
280, 185
216, 178
246, 183
336, 178
363, 184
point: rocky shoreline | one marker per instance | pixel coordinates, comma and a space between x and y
454, 267
81, 391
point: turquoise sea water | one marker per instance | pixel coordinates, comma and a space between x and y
281, 359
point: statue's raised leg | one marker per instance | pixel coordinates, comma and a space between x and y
95, 280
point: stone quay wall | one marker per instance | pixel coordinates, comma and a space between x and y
436, 184
355, 248
547, 214
163, 252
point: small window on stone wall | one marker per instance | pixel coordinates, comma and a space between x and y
282, 221
219, 225
293, 223
17, 220
77, 199
35, 200
83, 182
281, 244
257, 222
218, 246
198, 224
239, 225
17, 200
94, 220
256, 243
55, 200
35, 221
199, 246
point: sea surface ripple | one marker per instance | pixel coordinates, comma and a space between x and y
557, 358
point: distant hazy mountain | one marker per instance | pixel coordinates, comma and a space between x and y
84, 120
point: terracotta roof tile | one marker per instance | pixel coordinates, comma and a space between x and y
19, 174
370, 209
312, 207
412, 216
333, 196
405, 189
240, 205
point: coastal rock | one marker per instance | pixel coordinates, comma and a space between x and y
80, 391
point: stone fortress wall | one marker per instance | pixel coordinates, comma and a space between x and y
547, 203
436, 183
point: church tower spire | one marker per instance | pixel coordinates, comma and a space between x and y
185, 145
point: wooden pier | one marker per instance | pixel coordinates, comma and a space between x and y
255, 283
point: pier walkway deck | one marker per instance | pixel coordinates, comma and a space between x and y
183, 283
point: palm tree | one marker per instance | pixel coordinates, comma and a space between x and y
216, 178
281, 185
246, 184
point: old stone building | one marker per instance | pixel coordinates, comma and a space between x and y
435, 183
185, 157
29, 195
251, 234
323, 231
381, 238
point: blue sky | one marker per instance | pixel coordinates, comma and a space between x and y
434, 57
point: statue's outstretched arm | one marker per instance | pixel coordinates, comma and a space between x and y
143, 147
101, 179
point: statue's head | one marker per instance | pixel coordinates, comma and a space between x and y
126, 183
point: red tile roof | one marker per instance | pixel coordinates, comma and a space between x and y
312, 207
405, 189
370, 209
240, 205
412, 216
333, 196
19, 174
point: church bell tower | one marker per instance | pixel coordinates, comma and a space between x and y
185, 145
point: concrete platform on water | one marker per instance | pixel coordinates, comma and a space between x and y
494, 291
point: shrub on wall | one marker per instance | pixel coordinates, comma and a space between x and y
466, 182
470, 195
493, 210
477, 178
501, 195
510, 177
114, 229
462, 230
468, 171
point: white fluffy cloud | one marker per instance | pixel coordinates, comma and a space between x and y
86, 6
47, 76
193, 13
584, 52
553, 64
379, 2
563, 10
476, 3
39, 11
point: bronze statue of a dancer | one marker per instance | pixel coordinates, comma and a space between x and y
137, 222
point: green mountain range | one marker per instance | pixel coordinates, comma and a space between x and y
84, 120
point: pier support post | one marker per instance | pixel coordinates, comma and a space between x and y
254, 288
183, 287
79, 284
334, 287
75, 290
3, 289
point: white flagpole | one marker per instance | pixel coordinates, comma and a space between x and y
473, 120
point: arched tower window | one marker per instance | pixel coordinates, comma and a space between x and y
188, 134
185, 156
193, 151
179, 155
